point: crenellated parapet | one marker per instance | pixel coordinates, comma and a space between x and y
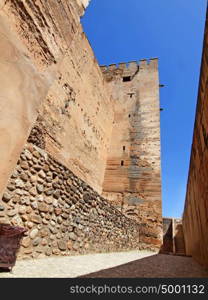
131, 68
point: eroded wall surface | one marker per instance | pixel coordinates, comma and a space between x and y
195, 217
132, 178
75, 120
34, 38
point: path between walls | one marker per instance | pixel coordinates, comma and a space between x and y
72, 266
122, 264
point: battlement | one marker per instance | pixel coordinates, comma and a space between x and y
130, 67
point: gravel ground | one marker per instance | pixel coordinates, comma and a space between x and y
123, 264
71, 266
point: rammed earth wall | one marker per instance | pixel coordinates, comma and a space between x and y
63, 215
195, 216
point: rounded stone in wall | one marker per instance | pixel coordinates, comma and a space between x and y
24, 218
42, 174
28, 155
34, 205
29, 224
45, 222
24, 177
59, 219
36, 154
33, 191
53, 223
24, 165
64, 229
11, 212
19, 183
69, 245
26, 242
56, 251
48, 251
11, 187
62, 245
46, 168
36, 241
49, 192
72, 236
59, 235
33, 233
22, 210
39, 188
43, 207
28, 209
44, 242
55, 203
57, 194
25, 200
15, 174
2, 208
16, 221
6, 197
75, 246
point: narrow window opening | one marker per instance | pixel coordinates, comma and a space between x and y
129, 116
124, 148
122, 163
126, 78
131, 95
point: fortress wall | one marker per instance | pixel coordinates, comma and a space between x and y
35, 36
63, 215
76, 129
195, 216
77, 115
132, 178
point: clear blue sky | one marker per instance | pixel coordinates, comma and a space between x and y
172, 30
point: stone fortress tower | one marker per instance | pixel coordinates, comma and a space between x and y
132, 179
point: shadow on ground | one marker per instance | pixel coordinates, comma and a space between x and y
155, 266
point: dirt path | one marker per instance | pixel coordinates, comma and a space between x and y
123, 264
71, 266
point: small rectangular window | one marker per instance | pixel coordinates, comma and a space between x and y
126, 78
122, 163
124, 148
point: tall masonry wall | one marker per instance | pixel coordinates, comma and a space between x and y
195, 216
34, 38
132, 179
74, 123
63, 120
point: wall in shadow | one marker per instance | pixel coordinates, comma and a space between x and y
154, 266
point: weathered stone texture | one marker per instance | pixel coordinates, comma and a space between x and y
132, 178
72, 219
195, 215
75, 120
34, 38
